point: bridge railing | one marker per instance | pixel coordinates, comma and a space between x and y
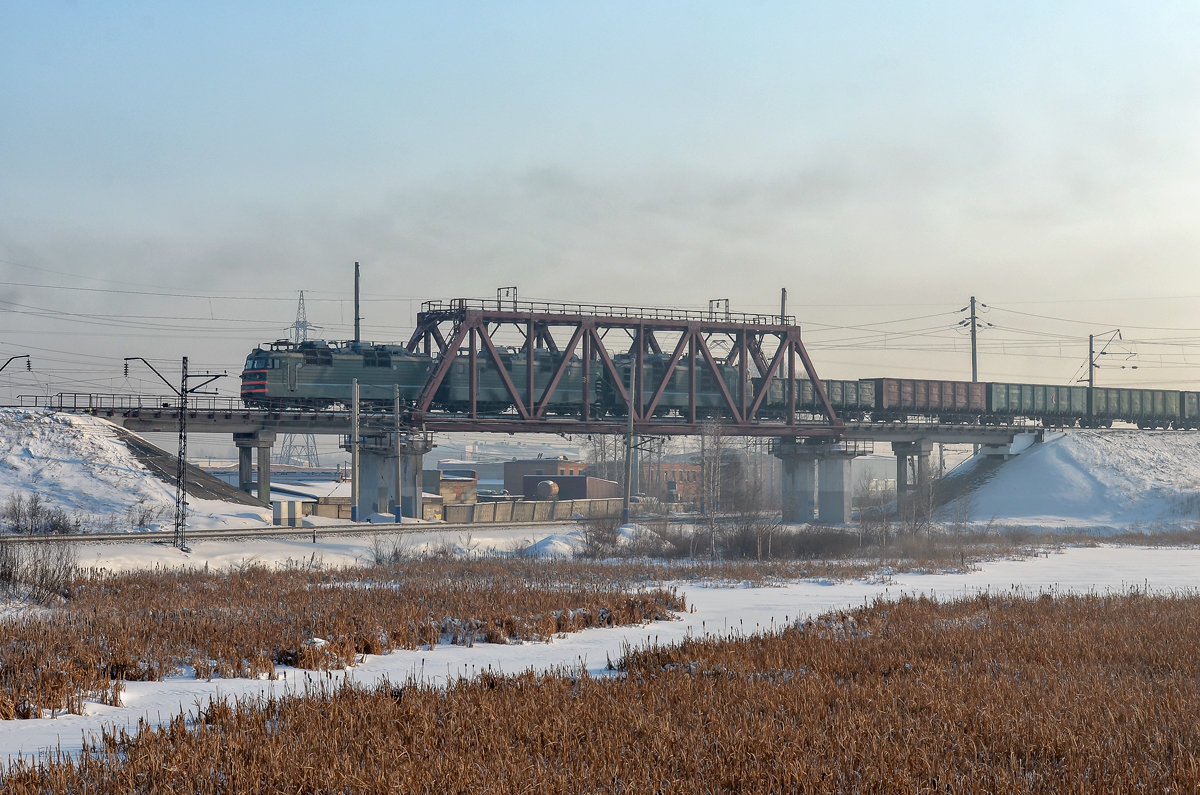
604, 310
86, 401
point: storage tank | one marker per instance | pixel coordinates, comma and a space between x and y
547, 490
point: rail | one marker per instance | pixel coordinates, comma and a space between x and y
459, 305
270, 531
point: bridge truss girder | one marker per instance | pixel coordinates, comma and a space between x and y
767, 349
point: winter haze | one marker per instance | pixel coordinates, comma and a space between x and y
174, 174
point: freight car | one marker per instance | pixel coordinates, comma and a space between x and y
851, 400
994, 403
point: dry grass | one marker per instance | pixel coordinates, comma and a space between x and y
992, 694
146, 625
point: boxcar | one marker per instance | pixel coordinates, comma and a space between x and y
948, 401
1148, 408
1049, 404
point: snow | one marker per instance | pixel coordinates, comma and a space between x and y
1078, 480
1092, 480
720, 610
79, 465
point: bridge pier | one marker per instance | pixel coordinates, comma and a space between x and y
261, 441
815, 476
389, 473
908, 496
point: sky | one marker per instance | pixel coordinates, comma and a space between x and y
173, 175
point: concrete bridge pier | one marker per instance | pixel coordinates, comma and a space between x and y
261, 441
815, 476
389, 474
799, 480
908, 495
836, 491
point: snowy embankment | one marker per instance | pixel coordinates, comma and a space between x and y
1104, 481
80, 465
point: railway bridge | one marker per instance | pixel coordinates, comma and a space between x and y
391, 451
506, 366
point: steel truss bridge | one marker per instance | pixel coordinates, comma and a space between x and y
763, 349
760, 347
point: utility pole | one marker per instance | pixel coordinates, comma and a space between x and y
357, 316
181, 460
354, 439
974, 348
1091, 361
629, 449
973, 322
398, 485
1094, 356
181, 393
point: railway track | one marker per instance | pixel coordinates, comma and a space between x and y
325, 531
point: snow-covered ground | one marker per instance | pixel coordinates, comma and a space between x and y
1077, 480
1111, 480
717, 610
79, 464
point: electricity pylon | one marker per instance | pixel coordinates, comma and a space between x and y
306, 450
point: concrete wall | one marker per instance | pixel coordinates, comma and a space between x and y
529, 511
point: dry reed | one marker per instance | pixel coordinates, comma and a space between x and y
146, 625
990, 694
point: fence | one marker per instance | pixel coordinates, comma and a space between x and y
529, 511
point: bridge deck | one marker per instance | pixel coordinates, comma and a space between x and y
148, 414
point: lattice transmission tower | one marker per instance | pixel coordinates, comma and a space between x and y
304, 450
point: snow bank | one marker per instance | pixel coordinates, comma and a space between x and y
79, 464
1092, 480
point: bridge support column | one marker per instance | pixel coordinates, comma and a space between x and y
261, 441
245, 468
913, 499
799, 481
815, 475
389, 474
836, 492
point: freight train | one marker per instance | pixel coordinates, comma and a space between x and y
318, 374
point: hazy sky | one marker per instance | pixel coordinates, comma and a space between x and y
172, 174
